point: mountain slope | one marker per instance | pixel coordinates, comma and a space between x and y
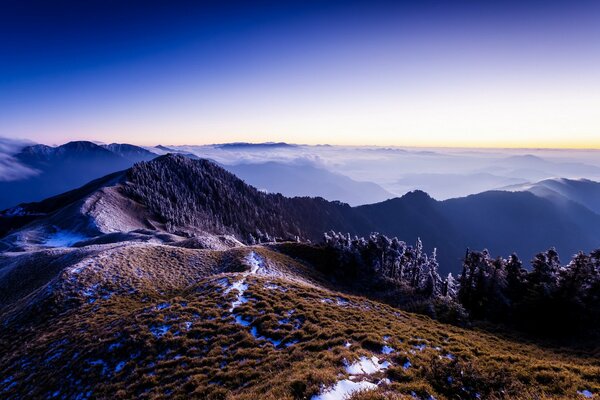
502, 222
122, 289
583, 191
156, 321
175, 194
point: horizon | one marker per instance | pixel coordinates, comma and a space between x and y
26, 142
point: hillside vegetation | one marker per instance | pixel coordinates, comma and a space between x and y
156, 321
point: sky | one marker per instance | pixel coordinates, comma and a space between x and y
427, 73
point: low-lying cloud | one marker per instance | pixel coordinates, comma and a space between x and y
443, 173
10, 167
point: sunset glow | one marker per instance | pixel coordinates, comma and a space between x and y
353, 73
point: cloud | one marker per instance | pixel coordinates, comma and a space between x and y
10, 167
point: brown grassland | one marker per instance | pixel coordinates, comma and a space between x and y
153, 321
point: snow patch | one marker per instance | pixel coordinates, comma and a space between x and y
387, 349
420, 347
340, 301
255, 262
254, 332
162, 306
585, 393
160, 330
367, 366
114, 346
242, 321
120, 366
344, 389
63, 239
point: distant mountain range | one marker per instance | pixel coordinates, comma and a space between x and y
66, 167
583, 191
304, 179
175, 194
73, 164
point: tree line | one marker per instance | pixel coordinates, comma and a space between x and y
550, 298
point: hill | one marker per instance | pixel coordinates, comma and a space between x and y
150, 320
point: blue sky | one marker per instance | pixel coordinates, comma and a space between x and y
460, 73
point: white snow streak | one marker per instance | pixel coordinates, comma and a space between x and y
343, 389
367, 366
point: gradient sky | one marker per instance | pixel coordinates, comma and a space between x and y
424, 73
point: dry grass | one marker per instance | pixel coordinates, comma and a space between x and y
109, 344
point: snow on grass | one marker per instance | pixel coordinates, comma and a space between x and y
239, 286
63, 239
257, 336
120, 366
162, 306
366, 365
160, 330
238, 302
387, 349
420, 347
8, 383
255, 262
223, 282
585, 393
407, 364
115, 346
242, 321
340, 301
99, 363
344, 389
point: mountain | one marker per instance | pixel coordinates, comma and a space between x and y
303, 179
444, 186
66, 167
151, 320
138, 285
500, 221
130, 152
583, 191
177, 195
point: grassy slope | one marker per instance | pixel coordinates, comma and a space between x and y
100, 338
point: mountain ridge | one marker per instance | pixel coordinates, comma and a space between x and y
175, 194
65, 167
